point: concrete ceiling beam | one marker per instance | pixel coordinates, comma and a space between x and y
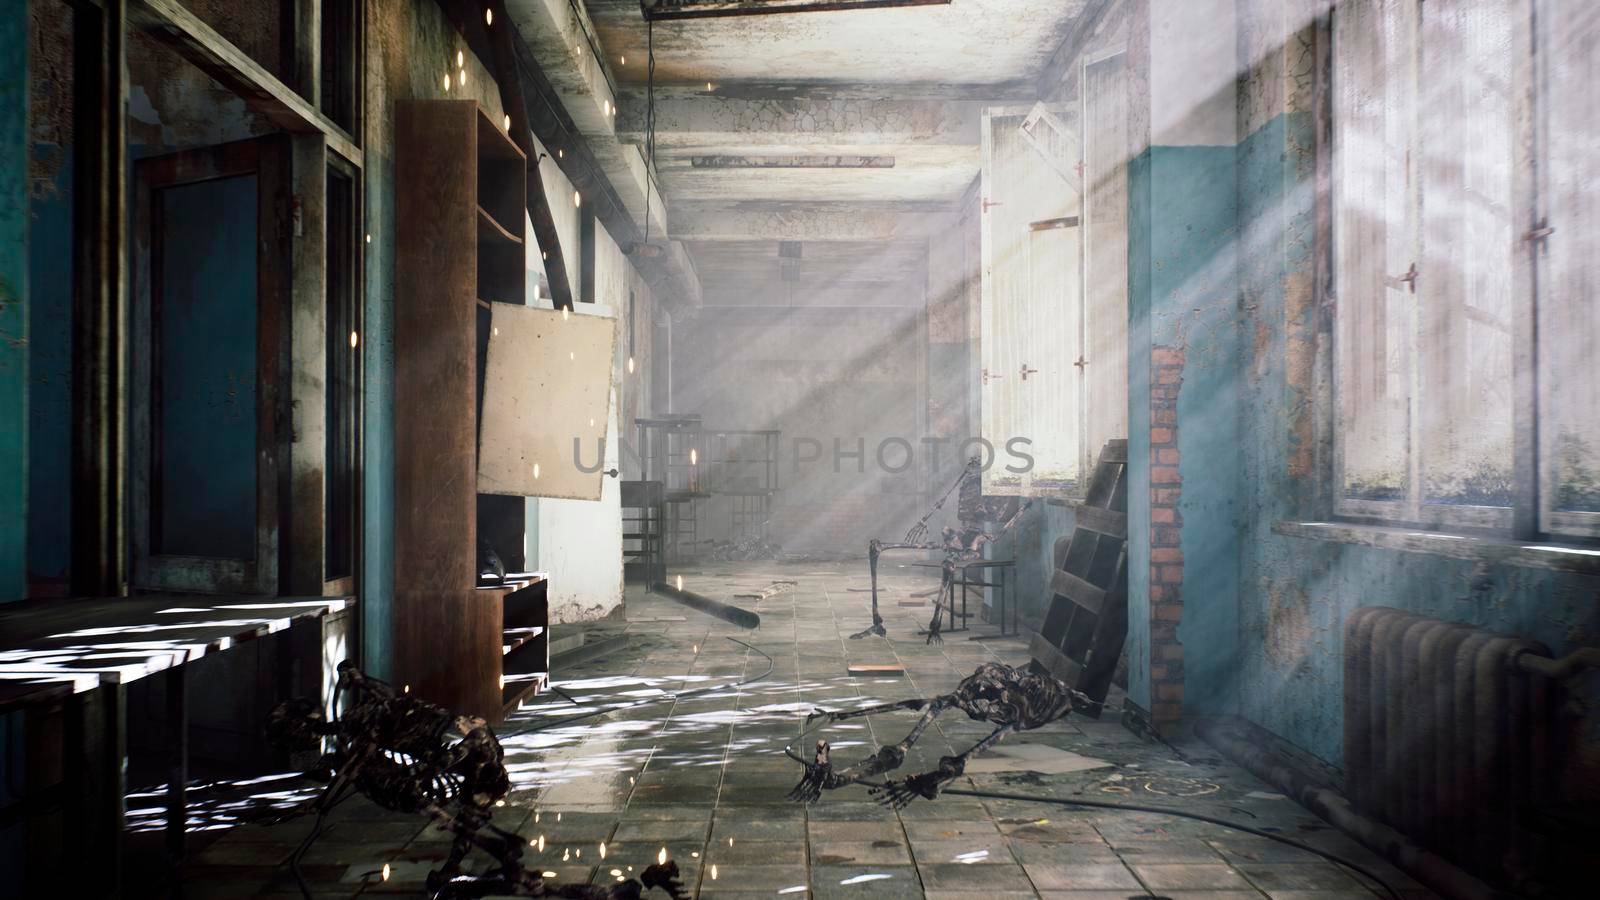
803, 221
712, 121
559, 34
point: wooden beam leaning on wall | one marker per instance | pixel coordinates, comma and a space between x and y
174, 25
99, 322
502, 37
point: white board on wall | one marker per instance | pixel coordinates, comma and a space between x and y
547, 387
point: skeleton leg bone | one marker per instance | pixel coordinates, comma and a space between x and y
820, 775
874, 550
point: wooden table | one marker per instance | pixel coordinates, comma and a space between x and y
81, 655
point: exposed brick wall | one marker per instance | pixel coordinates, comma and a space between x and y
1166, 525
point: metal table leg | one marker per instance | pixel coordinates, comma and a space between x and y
177, 685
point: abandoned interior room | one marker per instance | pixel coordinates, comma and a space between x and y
1076, 449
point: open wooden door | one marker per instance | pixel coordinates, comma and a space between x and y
210, 291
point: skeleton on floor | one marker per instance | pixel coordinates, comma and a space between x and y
411, 756
960, 545
1012, 698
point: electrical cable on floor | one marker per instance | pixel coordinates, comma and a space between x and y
545, 726
1135, 807
1167, 811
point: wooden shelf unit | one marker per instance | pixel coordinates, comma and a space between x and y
460, 194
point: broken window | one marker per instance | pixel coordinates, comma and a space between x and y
1434, 230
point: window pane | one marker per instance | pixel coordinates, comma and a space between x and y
1374, 244
1569, 311
1465, 293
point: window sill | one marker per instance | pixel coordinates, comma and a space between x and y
1526, 554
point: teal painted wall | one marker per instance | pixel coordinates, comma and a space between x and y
1183, 296
1294, 595
14, 142
50, 367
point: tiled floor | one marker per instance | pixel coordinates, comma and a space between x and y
706, 778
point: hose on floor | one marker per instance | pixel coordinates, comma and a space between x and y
686, 695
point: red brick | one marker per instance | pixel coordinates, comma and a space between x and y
1164, 416
1169, 651
1165, 496
1170, 691
1165, 475
1166, 356
1169, 376
1165, 536
1171, 574
1160, 592
1165, 554
1168, 457
1168, 612
1163, 515
1159, 436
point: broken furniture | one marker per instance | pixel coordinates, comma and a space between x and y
1003, 573
74, 672
1087, 620
459, 204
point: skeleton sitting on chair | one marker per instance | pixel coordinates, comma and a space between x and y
1012, 698
963, 544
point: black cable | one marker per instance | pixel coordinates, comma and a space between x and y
1167, 811
1135, 807
545, 726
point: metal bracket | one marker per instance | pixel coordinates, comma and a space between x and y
1027, 371
987, 376
1409, 279
988, 203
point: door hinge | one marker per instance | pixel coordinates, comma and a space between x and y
987, 376
1027, 371
988, 203
1080, 363
1539, 233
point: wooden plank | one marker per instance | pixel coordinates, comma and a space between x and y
1077, 590
446, 635
1105, 521
490, 230
1053, 660
194, 40
1115, 451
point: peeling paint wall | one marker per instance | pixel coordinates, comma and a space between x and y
1294, 595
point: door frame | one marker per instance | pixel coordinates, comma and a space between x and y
268, 159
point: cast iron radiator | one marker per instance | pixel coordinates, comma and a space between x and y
1447, 737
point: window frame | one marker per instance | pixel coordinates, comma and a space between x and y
1529, 516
